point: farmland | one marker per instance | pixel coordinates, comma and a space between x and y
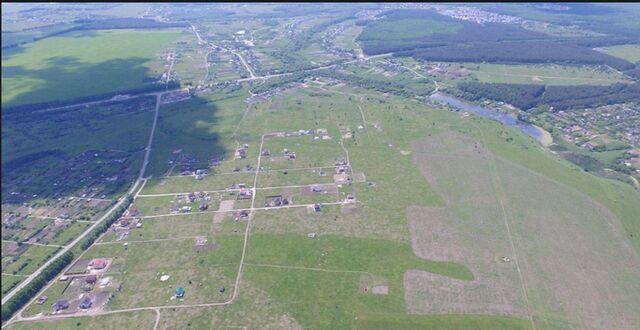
543, 74
337, 195
630, 53
83, 63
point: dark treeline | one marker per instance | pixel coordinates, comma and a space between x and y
125, 23
61, 103
521, 96
93, 236
17, 163
519, 52
527, 97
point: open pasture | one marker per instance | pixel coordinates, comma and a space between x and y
547, 74
630, 53
553, 248
83, 63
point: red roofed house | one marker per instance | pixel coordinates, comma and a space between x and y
98, 263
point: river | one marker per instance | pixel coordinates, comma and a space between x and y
531, 130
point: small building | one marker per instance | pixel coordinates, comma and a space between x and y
139, 225
86, 303
98, 263
203, 206
316, 188
63, 278
42, 300
60, 305
179, 292
312, 235
317, 208
91, 279
221, 289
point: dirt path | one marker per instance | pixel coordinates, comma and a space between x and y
497, 187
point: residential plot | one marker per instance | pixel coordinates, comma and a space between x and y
302, 151
186, 184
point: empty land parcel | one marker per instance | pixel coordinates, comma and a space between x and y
527, 260
83, 63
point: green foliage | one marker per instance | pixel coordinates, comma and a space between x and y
559, 97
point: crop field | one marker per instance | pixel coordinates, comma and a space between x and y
555, 271
83, 63
630, 53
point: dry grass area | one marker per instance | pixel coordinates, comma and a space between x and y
564, 243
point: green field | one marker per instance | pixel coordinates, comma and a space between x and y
439, 220
630, 53
83, 63
406, 29
142, 319
543, 74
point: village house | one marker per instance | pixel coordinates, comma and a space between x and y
60, 305
98, 263
86, 303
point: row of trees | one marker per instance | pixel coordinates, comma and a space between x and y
86, 243
96, 97
518, 52
52, 271
527, 97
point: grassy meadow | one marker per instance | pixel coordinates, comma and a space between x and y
83, 63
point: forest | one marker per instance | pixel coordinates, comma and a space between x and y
527, 97
463, 41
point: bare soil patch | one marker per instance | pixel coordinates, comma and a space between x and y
226, 205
